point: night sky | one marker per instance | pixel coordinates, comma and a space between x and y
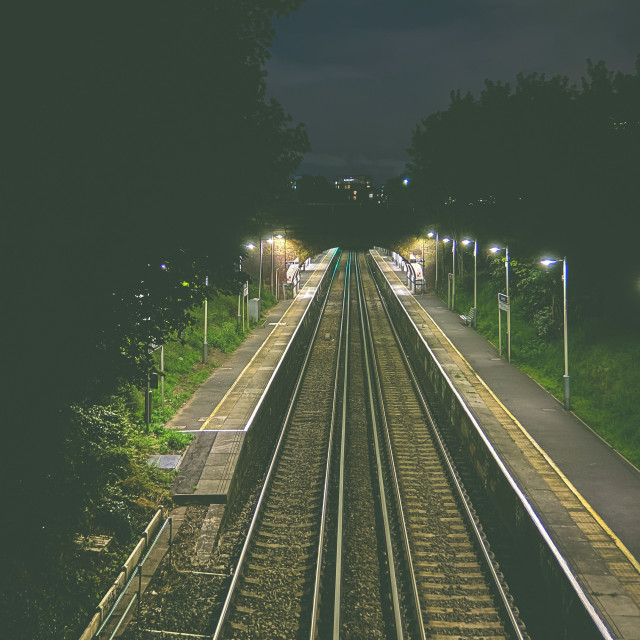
362, 73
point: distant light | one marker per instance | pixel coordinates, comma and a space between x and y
270, 240
494, 249
251, 246
280, 236
466, 242
431, 234
446, 240
548, 262
405, 181
163, 266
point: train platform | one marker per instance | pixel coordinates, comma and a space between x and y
220, 412
586, 495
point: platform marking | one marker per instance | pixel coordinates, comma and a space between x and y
214, 431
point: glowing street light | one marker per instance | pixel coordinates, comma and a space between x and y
430, 235
272, 241
506, 264
453, 279
475, 278
253, 246
567, 394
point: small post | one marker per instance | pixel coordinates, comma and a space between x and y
499, 332
139, 594
147, 403
162, 373
204, 344
170, 540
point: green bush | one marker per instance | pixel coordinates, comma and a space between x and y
226, 338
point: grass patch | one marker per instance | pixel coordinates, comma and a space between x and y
604, 364
184, 369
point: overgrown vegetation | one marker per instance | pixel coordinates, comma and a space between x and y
137, 168
108, 486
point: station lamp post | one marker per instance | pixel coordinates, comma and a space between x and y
475, 278
506, 264
260, 272
567, 393
431, 234
205, 346
453, 279
272, 242
253, 246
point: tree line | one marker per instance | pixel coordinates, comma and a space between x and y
142, 146
541, 164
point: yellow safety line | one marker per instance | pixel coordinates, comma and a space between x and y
553, 465
255, 355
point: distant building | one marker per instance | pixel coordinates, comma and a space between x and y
354, 187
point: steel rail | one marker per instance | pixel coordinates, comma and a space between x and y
369, 375
465, 502
343, 436
217, 635
344, 324
397, 492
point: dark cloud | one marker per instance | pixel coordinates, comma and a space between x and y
362, 73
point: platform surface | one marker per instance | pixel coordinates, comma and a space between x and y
219, 412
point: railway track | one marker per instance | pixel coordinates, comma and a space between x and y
362, 528
273, 583
460, 592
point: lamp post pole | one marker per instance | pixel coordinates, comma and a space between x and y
475, 283
437, 242
431, 234
451, 284
260, 272
567, 394
475, 279
272, 245
506, 264
453, 287
205, 346
565, 378
285, 280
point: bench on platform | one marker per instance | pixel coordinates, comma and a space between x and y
470, 318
